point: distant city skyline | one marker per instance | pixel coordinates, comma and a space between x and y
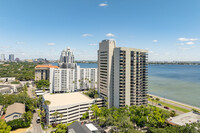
41, 29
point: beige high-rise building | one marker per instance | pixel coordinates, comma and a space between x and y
122, 74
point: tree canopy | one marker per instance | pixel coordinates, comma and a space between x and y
22, 71
23, 97
42, 84
4, 128
92, 93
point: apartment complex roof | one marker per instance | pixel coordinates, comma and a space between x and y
16, 107
66, 98
46, 66
183, 119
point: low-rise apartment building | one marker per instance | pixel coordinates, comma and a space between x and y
71, 105
14, 111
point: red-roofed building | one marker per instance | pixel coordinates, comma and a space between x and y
42, 71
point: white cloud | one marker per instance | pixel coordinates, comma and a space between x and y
193, 39
86, 35
110, 35
51, 44
103, 4
189, 43
19, 42
155, 40
187, 39
92, 44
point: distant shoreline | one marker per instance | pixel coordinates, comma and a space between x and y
152, 63
174, 63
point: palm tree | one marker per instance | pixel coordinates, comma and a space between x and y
47, 102
172, 113
55, 115
96, 96
61, 116
43, 114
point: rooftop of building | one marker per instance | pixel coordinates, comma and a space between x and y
46, 66
16, 107
132, 49
183, 119
62, 99
78, 127
123, 48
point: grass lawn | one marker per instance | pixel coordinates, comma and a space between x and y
169, 105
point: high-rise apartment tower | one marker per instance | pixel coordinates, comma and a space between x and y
2, 57
67, 59
11, 57
122, 74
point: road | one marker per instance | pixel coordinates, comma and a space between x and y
162, 107
36, 127
175, 103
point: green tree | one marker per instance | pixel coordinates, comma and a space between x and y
61, 116
4, 128
47, 102
61, 128
96, 110
85, 115
55, 115
42, 84
18, 123
27, 116
25, 88
172, 113
96, 96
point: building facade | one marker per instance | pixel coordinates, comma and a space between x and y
42, 72
3, 57
122, 74
72, 79
69, 77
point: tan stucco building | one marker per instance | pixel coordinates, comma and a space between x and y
42, 71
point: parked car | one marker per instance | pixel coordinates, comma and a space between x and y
166, 107
38, 120
159, 104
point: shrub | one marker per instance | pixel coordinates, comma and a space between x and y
18, 123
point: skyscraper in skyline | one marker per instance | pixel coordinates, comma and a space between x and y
67, 59
2, 57
122, 74
11, 57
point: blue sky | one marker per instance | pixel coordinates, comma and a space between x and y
169, 29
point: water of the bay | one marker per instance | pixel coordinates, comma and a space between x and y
176, 82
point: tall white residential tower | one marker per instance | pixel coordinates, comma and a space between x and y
122, 74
